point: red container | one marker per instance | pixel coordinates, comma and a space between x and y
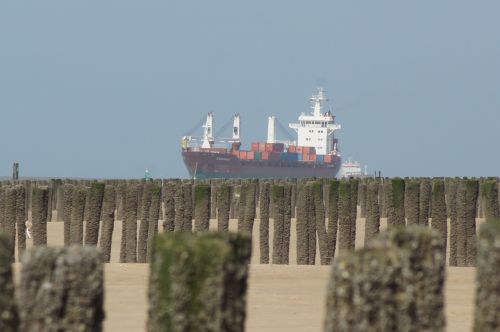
299, 149
292, 148
328, 158
243, 155
236, 153
312, 157
255, 146
262, 147
250, 155
265, 155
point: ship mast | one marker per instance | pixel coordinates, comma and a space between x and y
208, 139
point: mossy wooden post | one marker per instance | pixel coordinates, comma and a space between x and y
202, 194
130, 225
421, 300
107, 222
179, 208
223, 207
249, 209
264, 222
287, 223
154, 216
21, 217
169, 206
354, 210
385, 197
198, 282
302, 225
461, 243
472, 190
333, 216
451, 203
412, 201
489, 198
9, 320
372, 223
362, 199
66, 202
240, 206
425, 200
142, 240
319, 213
439, 216
61, 289
121, 195
362, 294
94, 216
39, 215
396, 213
278, 197
9, 222
344, 216
311, 224
487, 312
77, 213
187, 193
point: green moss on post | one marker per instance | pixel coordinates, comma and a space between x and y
362, 199
130, 244
278, 197
396, 212
39, 215
333, 216
107, 222
9, 320
187, 193
412, 201
372, 223
154, 216
438, 215
169, 206
425, 201
264, 222
287, 223
202, 194
451, 203
344, 216
487, 317
179, 208
61, 289
302, 225
77, 213
223, 207
363, 292
489, 198
94, 216
354, 211
198, 282
472, 190
66, 202
319, 213
21, 217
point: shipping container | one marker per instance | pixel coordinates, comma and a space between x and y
262, 147
328, 158
255, 146
236, 153
300, 157
288, 156
243, 155
274, 156
257, 155
250, 155
292, 148
278, 147
265, 155
299, 149
320, 158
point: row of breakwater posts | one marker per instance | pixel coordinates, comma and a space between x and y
324, 212
198, 279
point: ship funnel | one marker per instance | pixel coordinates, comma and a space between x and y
236, 128
271, 129
208, 138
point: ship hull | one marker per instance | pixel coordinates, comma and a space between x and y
206, 165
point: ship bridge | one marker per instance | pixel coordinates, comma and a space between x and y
317, 129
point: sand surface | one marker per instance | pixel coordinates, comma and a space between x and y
280, 298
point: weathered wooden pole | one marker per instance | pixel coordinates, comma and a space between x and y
94, 215
202, 194
107, 222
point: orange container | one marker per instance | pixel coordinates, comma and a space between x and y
265, 155
292, 148
255, 146
236, 153
243, 155
312, 157
262, 147
328, 158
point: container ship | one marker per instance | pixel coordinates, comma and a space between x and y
313, 153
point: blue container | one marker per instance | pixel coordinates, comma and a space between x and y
300, 157
288, 156
320, 158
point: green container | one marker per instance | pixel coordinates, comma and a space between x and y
257, 156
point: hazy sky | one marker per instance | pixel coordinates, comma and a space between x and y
107, 88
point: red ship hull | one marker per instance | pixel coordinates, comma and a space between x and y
206, 164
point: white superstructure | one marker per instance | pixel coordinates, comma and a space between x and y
317, 129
